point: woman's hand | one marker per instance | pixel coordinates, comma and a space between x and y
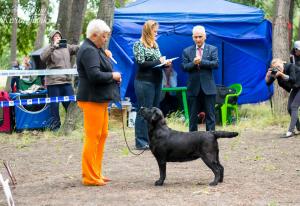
162, 59
268, 73
108, 53
168, 63
117, 76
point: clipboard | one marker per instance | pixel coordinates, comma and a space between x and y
159, 65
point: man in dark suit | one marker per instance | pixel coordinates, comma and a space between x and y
199, 60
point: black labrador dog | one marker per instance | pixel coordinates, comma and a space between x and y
168, 145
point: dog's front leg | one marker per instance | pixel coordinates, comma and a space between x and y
162, 172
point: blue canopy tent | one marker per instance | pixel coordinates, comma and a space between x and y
242, 35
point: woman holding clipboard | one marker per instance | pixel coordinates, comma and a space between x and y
148, 79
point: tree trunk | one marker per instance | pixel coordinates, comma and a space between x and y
280, 49
13, 42
74, 32
42, 25
73, 116
7, 85
77, 16
64, 16
291, 23
298, 34
106, 12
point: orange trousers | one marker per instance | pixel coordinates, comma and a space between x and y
95, 117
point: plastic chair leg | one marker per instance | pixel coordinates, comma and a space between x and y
224, 115
185, 106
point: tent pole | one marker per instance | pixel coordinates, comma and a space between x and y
223, 70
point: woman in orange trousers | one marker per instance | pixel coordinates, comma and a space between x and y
98, 85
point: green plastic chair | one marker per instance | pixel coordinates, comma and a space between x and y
183, 91
227, 106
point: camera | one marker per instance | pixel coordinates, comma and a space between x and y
274, 71
62, 43
272, 78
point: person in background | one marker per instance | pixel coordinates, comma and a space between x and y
295, 54
148, 79
288, 77
169, 101
199, 60
57, 56
14, 82
98, 85
26, 65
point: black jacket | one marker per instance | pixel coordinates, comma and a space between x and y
96, 83
294, 77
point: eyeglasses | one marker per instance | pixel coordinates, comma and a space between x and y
197, 37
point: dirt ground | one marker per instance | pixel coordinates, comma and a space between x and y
260, 169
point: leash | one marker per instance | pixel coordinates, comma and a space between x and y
119, 106
124, 135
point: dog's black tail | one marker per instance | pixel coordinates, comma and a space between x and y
224, 134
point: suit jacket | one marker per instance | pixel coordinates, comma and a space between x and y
96, 83
200, 76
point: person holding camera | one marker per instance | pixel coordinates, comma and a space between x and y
57, 55
148, 80
288, 77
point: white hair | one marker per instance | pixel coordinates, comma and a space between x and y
96, 26
199, 29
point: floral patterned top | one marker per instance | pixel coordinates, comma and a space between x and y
147, 59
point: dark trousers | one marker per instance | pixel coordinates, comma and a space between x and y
55, 91
147, 95
207, 102
14, 80
293, 106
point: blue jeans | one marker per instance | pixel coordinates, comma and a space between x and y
147, 95
55, 91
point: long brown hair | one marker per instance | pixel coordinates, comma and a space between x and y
148, 39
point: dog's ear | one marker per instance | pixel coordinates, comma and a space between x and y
156, 115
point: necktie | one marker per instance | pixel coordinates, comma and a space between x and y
199, 54
199, 51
